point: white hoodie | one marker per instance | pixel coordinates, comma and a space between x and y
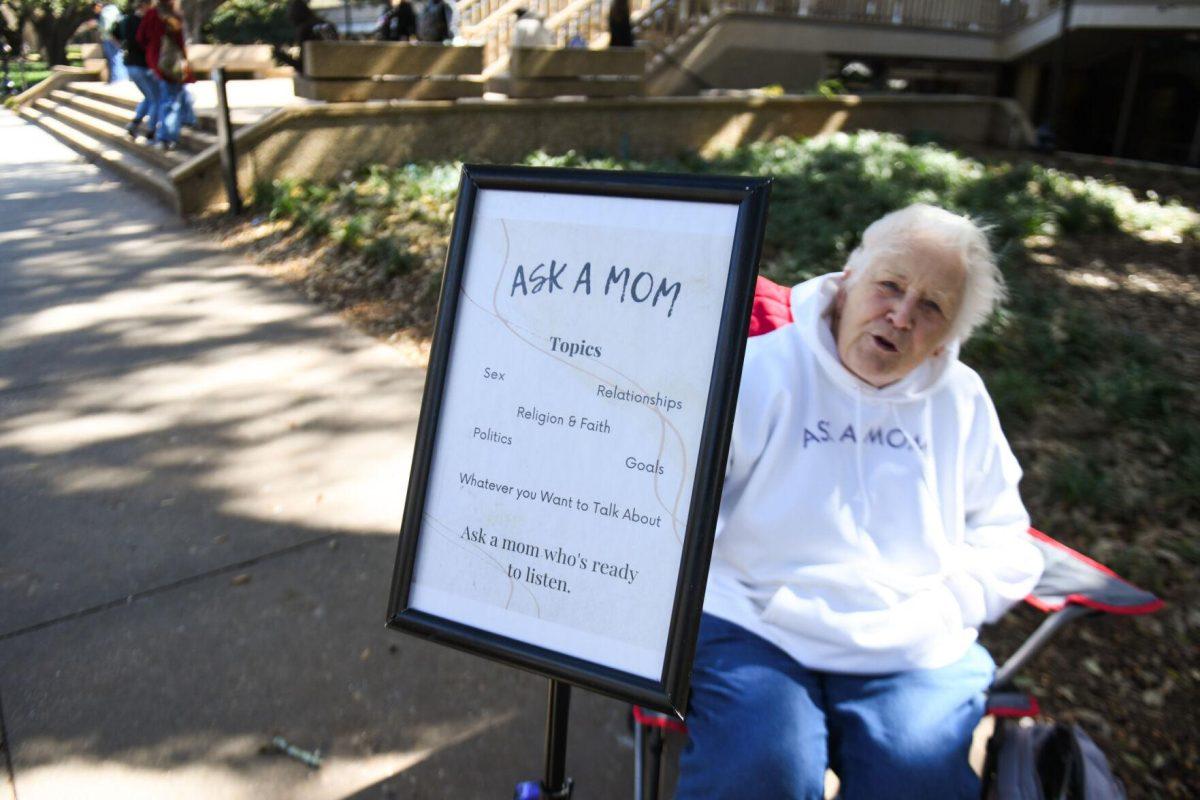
865, 530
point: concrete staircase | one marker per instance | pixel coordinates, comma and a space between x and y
90, 118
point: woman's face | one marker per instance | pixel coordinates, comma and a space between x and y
899, 313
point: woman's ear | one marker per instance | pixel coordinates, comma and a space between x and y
839, 299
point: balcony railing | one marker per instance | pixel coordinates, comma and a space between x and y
661, 24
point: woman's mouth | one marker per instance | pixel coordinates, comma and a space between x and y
884, 344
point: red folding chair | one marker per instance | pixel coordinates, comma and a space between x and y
1072, 587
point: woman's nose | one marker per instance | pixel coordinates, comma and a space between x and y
901, 315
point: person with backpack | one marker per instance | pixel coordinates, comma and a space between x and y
398, 23
138, 69
435, 23
161, 35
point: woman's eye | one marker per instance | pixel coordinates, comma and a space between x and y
891, 286
929, 305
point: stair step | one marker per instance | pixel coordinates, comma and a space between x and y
96, 91
190, 139
115, 134
101, 152
206, 118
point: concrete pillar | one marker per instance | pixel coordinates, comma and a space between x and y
1029, 75
1057, 87
1194, 150
1127, 100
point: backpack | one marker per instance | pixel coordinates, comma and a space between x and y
171, 63
433, 23
1052, 762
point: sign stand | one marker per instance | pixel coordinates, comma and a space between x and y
574, 429
554, 786
558, 711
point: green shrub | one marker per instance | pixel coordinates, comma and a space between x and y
1074, 482
1040, 349
250, 22
1016, 396
350, 232
830, 87
1133, 393
386, 253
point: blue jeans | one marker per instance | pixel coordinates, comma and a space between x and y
761, 725
114, 57
147, 84
170, 110
187, 108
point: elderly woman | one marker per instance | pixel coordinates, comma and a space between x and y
870, 524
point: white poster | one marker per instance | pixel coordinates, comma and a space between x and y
574, 400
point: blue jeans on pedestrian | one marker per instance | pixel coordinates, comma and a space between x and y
762, 725
187, 108
114, 58
170, 110
147, 84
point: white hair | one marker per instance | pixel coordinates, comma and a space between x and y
894, 234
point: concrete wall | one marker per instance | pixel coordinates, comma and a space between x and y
740, 50
321, 141
743, 50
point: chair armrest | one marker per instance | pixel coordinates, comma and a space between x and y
1071, 578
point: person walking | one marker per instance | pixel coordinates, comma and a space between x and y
435, 23
398, 23
107, 18
308, 26
161, 35
530, 31
620, 28
139, 70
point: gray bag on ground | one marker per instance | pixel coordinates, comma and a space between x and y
1053, 762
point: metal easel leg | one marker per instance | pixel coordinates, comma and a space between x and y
555, 784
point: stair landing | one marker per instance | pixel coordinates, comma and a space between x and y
249, 100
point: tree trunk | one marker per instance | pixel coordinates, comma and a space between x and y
12, 27
54, 47
56, 32
195, 15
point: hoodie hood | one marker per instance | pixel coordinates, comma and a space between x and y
812, 304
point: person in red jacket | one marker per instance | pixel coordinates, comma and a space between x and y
161, 36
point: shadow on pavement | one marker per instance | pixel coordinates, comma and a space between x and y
201, 481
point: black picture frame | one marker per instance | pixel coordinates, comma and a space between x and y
670, 693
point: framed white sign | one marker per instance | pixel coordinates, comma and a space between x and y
575, 422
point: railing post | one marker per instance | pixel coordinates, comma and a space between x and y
225, 143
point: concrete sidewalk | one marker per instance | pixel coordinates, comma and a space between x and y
201, 480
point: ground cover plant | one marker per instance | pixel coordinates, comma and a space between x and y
1093, 364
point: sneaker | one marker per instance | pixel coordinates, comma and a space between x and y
132, 130
169, 147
